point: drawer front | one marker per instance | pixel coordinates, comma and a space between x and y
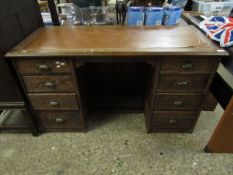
61, 101
183, 83
42, 66
59, 119
179, 119
49, 83
178, 102
188, 65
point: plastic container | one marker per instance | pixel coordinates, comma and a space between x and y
179, 3
202, 6
135, 16
172, 15
154, 16
104, 15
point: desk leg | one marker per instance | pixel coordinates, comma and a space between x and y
221, 141
31, 122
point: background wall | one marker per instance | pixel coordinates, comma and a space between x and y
18, 19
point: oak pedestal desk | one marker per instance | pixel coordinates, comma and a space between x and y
67, 72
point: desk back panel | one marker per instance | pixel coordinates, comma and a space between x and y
18, 19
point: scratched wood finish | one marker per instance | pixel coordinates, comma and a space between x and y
56, 65
171, 54
116, 40
60, 101
58, 83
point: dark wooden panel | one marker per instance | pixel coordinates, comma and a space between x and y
17, 5
221, 90
3, 8
188, 65
179, 102
9, 36
171, 130
183, 83
210, 102
10, 33
9, 91
60, 120
44, 66
61, 101
174, 119
61, 83
9, 7
28, 20
127, 77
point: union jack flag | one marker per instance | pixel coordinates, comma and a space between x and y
219, 29
227, 37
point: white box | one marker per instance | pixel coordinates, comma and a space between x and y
202, 6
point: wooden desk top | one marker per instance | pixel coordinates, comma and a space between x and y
115, 40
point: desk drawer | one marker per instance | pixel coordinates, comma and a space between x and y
64, 120
55, 101
175, 65
183, 83
42, 66
49, 83
179, 102
179, 119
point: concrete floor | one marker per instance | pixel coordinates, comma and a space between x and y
115, 144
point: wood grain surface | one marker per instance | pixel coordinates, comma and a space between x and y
178, 102
183, 83
54, 66
56, 120
116, 40
60, 101
60, 83
174, 119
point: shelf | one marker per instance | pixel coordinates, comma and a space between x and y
13, 120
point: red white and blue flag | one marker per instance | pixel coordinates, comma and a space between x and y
227, 37
220, 29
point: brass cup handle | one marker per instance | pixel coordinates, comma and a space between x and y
54, 103
187, 66
178, 103
182, 83
49, 85
44, 67
173, 121
60, 120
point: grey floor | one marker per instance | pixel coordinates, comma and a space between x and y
115, 144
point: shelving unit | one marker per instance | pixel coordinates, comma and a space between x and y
13, 120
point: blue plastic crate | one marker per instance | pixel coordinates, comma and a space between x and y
154, 16
172, 15
135, 16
